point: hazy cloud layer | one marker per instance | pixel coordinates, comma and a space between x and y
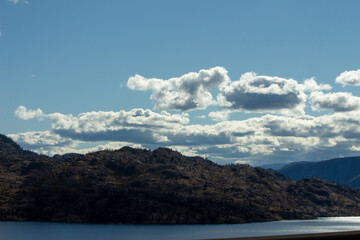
254, 93
338, 102
190, 91
18, 1
349, 78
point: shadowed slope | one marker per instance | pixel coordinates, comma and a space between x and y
344, 171
161, 186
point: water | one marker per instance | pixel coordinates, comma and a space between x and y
69, 231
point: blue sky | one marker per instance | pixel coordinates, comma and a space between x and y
78, 76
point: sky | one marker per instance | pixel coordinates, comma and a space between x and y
256, 82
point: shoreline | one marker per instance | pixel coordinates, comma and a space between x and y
308, 236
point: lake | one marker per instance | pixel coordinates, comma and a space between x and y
70, 231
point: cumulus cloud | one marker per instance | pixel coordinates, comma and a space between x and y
338, 102
254, 93
190, 91
136, 125
219, 116
50, 151
267, 138
49, 143
327, 129
25, 114
221, 133
274, 137
311, 85
349, 78
300, 127
270, 137
223, 154
355, 148
303, 137
102, 121
38, 139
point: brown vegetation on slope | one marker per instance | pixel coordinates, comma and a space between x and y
158, 187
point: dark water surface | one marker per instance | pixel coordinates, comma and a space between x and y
69, 231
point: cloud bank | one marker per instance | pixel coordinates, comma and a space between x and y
285, 133
271, 136
49, 143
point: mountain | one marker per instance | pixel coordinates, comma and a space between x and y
157, 187
344, 171
9, 148
274, 166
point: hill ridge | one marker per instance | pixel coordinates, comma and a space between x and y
343, 170
159, 186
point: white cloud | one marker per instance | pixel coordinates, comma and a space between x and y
349, 78
101, 120
18, 1
48, 143
22, 113
37, 139
135, 125
50, 151
338, 102
355, 148
277, 138
190, 91
270, 137
254, 93
311, 85
219, 115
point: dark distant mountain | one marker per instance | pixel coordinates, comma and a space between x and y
344, 171
275, 166
157, 187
